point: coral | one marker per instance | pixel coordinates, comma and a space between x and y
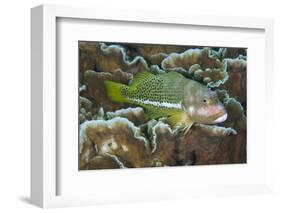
100, 115
182, 60
236, 86
102, 162
232, 52
204, 147
156, 70
115, 135
99, 62
199, 64
155, 54
85, 107
215, 144
135, 115
86, 58
100, 137
212, 77
107, 58
162, 142
217, 131
95, 91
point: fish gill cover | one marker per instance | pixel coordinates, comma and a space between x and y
126, 134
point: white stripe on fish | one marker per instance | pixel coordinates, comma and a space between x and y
158, 104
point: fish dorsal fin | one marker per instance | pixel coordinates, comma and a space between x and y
140, 77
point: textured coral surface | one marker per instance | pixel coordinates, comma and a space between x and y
116, 135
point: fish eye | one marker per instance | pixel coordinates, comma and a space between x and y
204, 100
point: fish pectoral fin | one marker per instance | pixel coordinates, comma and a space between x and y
153, 113
180, 119
139, 78
174, 119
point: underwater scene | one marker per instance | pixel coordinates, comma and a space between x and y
155, 105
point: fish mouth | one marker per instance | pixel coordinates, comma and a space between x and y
221, 118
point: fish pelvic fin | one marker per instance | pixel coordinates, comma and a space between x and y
114, 91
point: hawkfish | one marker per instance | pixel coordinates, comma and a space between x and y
180, 100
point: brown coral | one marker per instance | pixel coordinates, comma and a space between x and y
217, 145
236, 85
155, 54
95, 91
118, 138
107, 58
102, 162
199, 64
232, 52
208, 149
163, 143
135, 115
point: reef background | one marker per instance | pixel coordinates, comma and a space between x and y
121, 136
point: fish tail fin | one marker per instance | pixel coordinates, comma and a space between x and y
113, 91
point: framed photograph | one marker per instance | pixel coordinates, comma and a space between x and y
130, 106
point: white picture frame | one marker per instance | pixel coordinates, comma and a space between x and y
44, 153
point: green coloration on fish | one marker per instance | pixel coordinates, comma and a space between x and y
182, 101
